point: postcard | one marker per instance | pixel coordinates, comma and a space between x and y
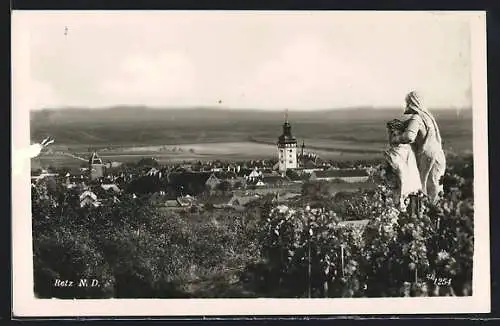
249, 163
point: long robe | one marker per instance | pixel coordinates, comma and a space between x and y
427, 145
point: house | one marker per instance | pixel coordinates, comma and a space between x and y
213, 181
171, 203
226, 175
230, 177
74, 178
76, 185
154, 172
185, 201
88, 198
260, 183
310, 166
115, 164
274, 180
41, 174
254, 174
111, 187
345, 175
160, 199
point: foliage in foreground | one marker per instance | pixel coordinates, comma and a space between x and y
136, 250
310, 252
133, 249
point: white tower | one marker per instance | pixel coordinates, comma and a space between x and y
287, 148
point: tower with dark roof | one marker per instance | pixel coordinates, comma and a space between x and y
287, 148
96, 167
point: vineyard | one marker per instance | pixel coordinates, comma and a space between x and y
311, 254
308, 248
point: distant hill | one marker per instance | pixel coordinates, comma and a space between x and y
131, 114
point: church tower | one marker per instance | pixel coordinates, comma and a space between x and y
96, 167
287, 148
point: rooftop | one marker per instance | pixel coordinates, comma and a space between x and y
95, 159
287, 137
341, 173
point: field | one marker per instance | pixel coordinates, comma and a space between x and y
127, 134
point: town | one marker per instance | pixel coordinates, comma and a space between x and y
214, 184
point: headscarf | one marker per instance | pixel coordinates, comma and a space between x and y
414, 102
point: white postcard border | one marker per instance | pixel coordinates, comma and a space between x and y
26, 305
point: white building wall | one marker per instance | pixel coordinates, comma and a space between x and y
346, 179
287, 155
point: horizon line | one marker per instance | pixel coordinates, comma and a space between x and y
193, 107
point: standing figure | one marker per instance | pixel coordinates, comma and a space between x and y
422, 132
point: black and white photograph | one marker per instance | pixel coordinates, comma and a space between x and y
249, 163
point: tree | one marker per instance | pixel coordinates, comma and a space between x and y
224, 186
292, 174
147, 162
316, 191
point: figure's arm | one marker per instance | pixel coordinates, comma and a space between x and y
410, 134
407, 137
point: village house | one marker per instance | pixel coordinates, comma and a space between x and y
41, 174
172, 203
274, 180
161, 200
153, 172
254, 176
88, 198
186, 201
345, 175
111, 187
110, 165
218, 177
310, 167
212, 181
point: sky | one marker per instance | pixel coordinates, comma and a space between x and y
260, 60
